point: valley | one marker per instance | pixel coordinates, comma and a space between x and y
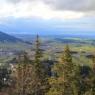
52, 46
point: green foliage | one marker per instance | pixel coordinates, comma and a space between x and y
63, 83
40, 72
66, 56
56, 86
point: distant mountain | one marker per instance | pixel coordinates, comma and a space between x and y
8, 38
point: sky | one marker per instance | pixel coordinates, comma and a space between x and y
47, 16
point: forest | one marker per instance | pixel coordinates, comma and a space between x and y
34, 75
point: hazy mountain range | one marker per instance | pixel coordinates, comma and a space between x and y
8, 38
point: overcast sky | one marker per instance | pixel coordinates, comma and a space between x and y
42, 16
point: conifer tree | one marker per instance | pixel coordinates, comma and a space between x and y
64, 83
31, 77
40, 72
38, 55
68, 71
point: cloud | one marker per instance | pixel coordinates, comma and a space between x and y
13, 1
73, 5
34, 8
47, 9
18, 1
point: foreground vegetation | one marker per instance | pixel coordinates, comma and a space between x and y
37, 76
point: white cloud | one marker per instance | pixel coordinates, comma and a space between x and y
44, 11
29, 9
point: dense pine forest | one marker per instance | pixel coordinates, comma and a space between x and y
34, 75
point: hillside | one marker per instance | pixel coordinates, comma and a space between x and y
8, 38
10, 42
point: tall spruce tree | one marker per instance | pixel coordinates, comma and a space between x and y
38, 55
68, 72
63, 83
40, 72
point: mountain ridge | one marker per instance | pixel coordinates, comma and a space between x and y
4, 37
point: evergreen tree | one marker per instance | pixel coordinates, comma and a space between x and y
31, 77
64, 82
38, 52
40, 72
68, 72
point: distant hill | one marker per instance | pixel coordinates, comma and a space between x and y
8, 38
